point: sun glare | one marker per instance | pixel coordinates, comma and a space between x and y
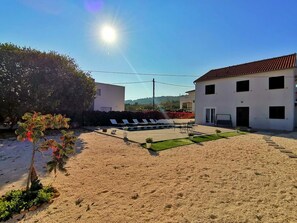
108, 34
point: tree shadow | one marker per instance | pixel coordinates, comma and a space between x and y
15, 159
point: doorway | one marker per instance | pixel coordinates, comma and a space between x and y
210, 115
242, 116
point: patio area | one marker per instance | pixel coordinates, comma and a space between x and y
159, 134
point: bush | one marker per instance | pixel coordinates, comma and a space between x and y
15, 201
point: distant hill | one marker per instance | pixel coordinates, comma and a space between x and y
158, 100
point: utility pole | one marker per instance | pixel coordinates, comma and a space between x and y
153, 93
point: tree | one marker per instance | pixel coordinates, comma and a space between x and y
32, 129
47, 82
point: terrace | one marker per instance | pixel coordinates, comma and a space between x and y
159, 134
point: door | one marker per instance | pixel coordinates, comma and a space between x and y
210, 115
242, 116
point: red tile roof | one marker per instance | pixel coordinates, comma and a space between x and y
272, 64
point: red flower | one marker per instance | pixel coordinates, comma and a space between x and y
54, 148
29, 136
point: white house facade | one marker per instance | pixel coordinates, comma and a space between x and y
187, 102
260, 95
109, 97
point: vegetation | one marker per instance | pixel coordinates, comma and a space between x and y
16, 201
218, 131
158, 146
158, 100
32, 129
32, 80
149, 140
163, 103
168, 144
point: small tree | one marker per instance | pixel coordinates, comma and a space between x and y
32, 129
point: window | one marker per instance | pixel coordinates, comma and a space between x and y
277, 82
277, 112
242, 86
99, 92
210, 89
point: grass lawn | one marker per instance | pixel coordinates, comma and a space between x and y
158, 146
206, 138
168, 144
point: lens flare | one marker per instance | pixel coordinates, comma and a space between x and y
93, 5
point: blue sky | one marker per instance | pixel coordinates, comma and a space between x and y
183, 37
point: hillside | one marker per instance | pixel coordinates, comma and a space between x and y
158, 100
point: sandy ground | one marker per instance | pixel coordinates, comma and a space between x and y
240, 179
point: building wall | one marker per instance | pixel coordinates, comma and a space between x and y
109, 98
295, 98
189, 98
258, 99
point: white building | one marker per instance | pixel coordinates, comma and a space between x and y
109, 98
260, 94
187, 102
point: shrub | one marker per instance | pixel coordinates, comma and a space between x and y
218, 131
149, 140
16, 201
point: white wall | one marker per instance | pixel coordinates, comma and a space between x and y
112, 97
295, 98
190, 97
258, 99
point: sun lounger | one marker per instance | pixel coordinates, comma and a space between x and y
126, 122
113, 121
153, 121
138, 123
144, 121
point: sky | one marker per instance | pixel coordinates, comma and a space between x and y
180, 39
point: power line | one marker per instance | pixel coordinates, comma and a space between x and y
140, 82
136, 82
177, 85
140, 74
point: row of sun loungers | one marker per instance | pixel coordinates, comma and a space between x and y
151, 124
144, 122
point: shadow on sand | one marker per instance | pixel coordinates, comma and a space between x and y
153, 152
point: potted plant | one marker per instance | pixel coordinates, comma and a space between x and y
149, 142
191, 135
218, 131
125, 133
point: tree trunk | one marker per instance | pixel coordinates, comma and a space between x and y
31, 167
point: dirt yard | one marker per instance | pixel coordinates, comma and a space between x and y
240, 179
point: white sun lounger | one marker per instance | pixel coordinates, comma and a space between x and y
126, 122
113, 121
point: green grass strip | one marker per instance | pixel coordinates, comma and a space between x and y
168, 144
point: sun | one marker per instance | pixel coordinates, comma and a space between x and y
108, 34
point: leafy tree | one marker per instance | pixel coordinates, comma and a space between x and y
32, 80
32, 129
